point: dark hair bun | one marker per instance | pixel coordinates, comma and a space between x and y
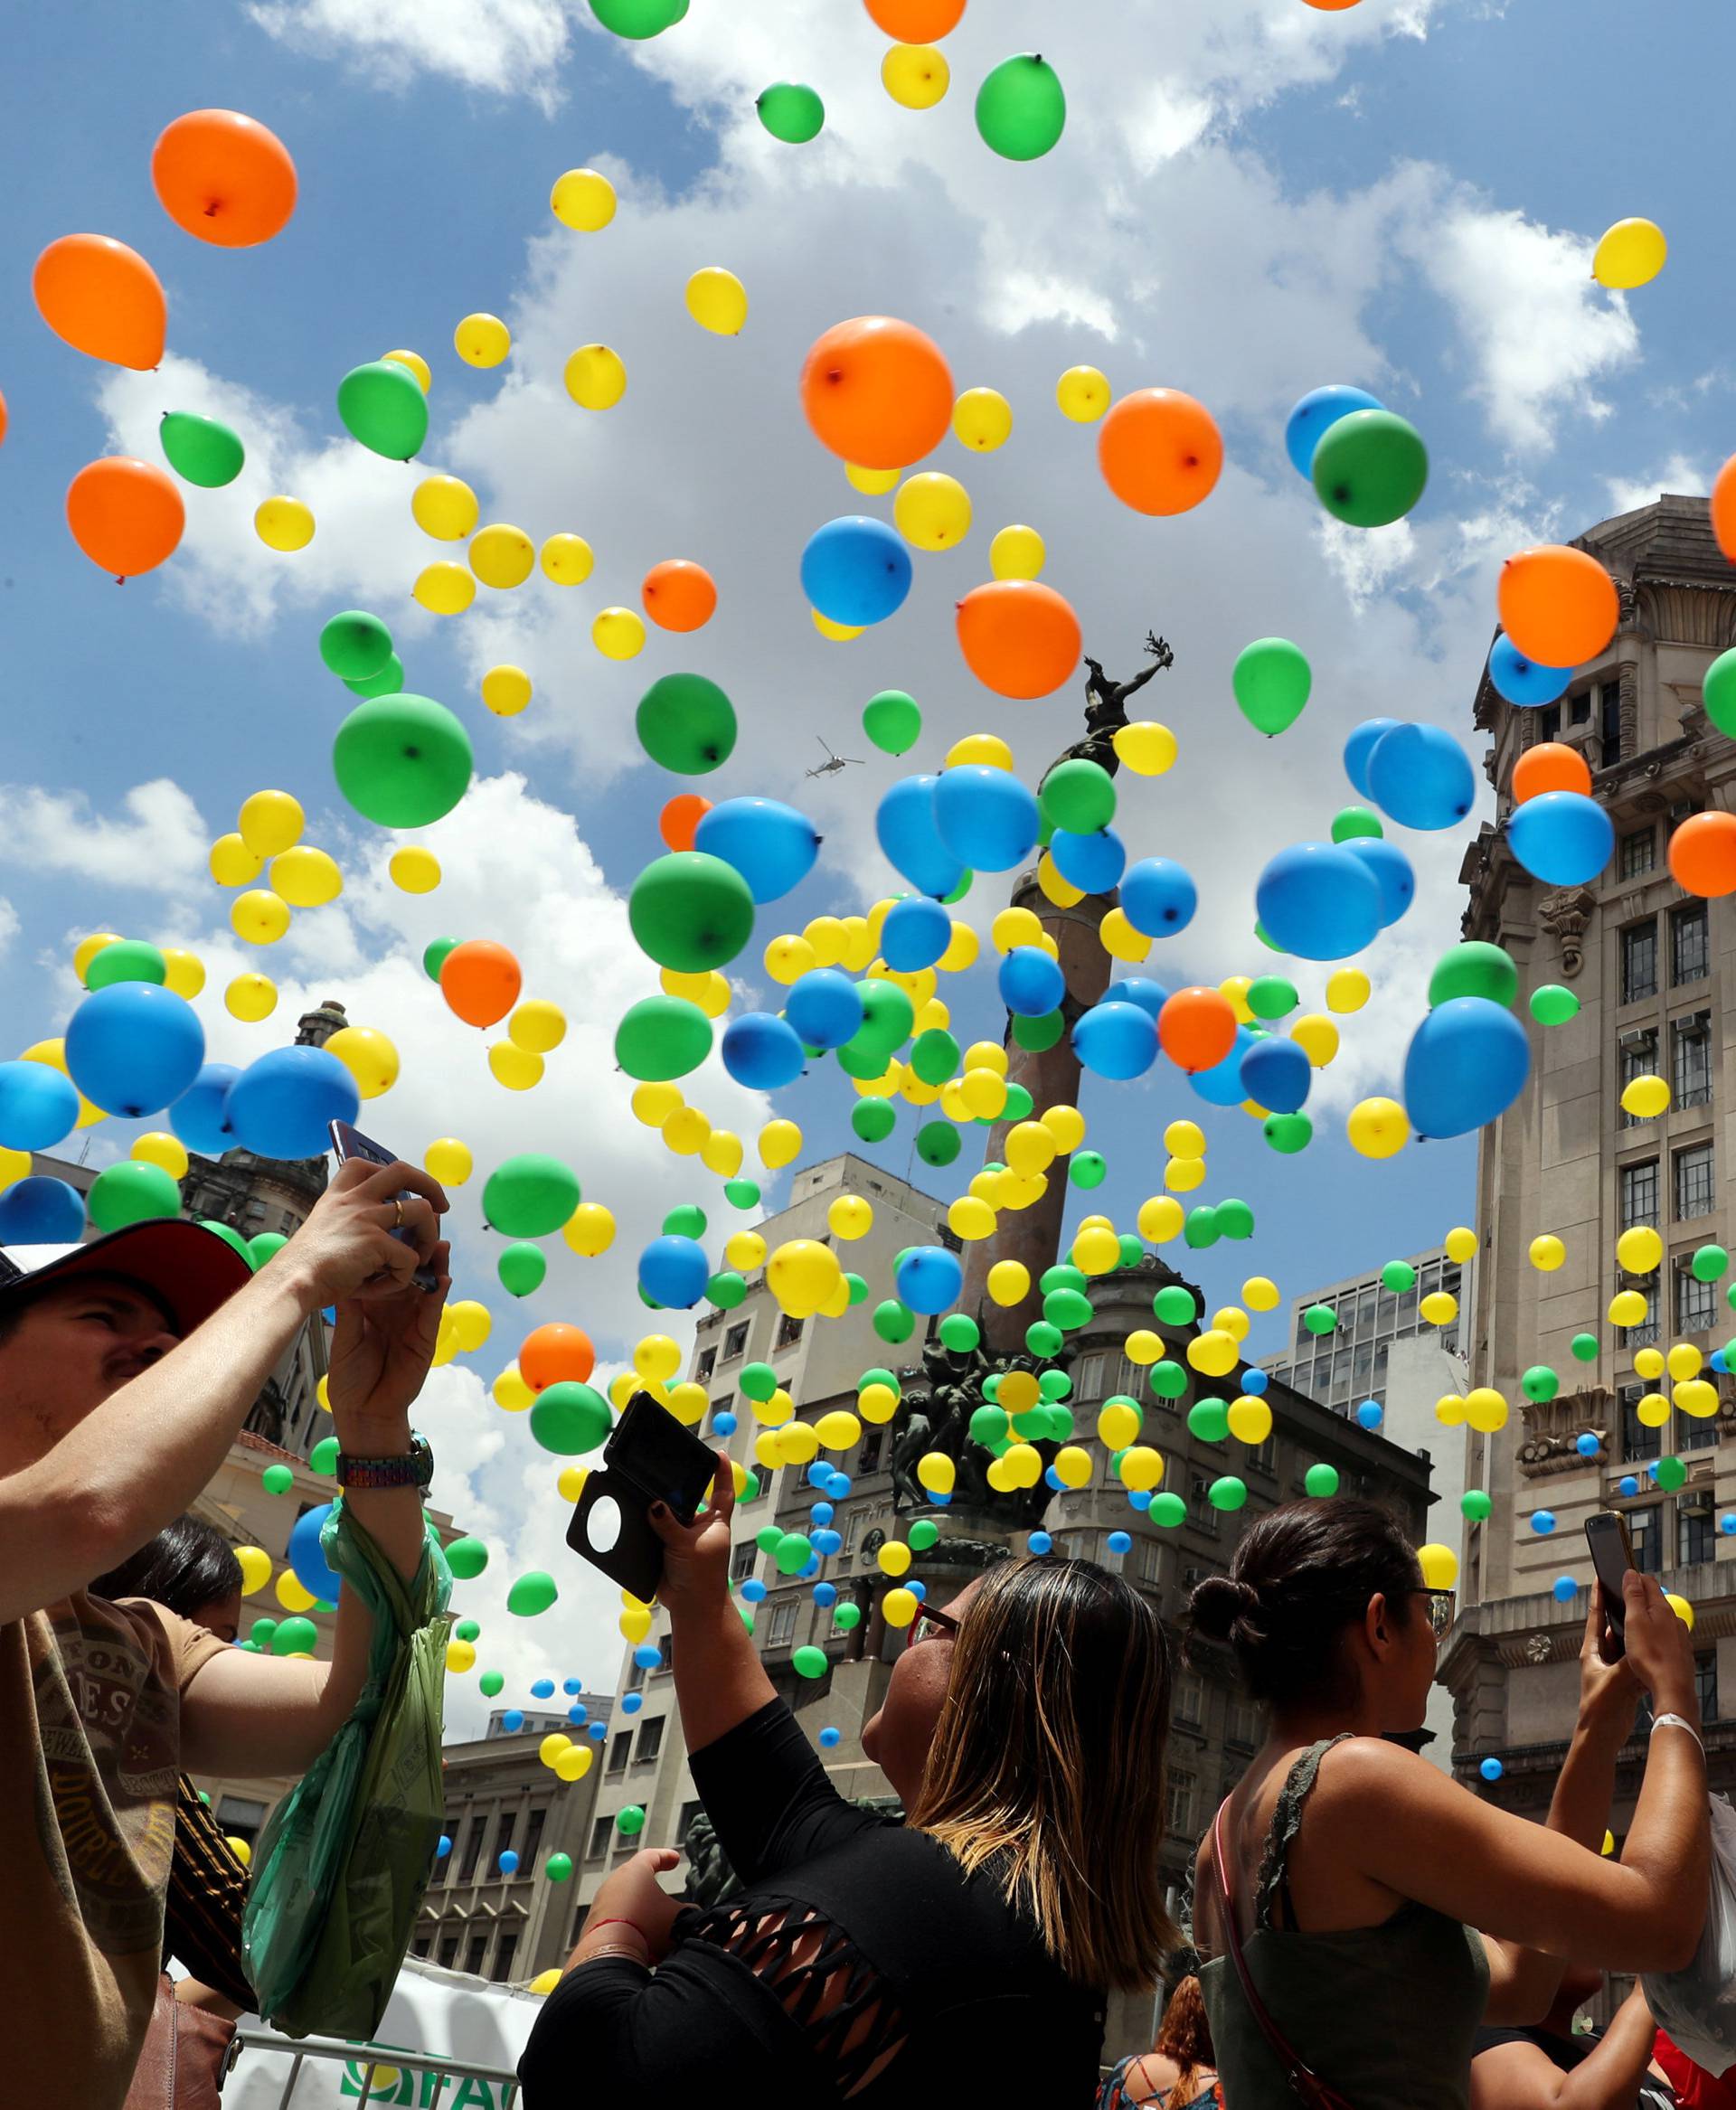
1218, 1603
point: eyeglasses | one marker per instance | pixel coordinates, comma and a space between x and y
931, 1627
1442, 1607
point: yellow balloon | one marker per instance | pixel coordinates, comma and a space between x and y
1630, 253
502, 556
1018, 553
444, 589
1628, 1307
1347, 989
1316, 1037
1234, 990
979, 751
859, 944
1118, 1424
801, 1274
788, 958
460, 1656
1182, 1175
573, 1764
482, 340
1140, 1467
1485, 1410
838, 1431
289, 1593
284, 523
160, 1148
449, 1161
851, 1216
721, 1153
1160, 1218
1547, 1254
718, 301
570, 1483
1438, 1308
1212, 1352
932, 511
656, 1356
252, 997
1681, 1607
877, 1403
413, 870
1146, 746
1378, 1129
1053, 887
871, 483
567, 560
916, 77
233, 864
1029, 1147
1683, 1361
982, 418
1120, 940
1260, 1293
688, 1402
839, 632
1096, 1252
472, 1323
1231, 1320
1440, 1566
1645, 1097
537, 1026
183, 972
1250, 1421
987, 1055
88, 947
1083, 395
52, 1054
551, 1746
1066, 1124
515, 1068
417, 364
256, 1568
1184, 1139
270, 821
1449, 1410
444, 507
618, 634
368, 1056
305, 878
1639, 1250
589, 1230
595, 378
582, 200
1697, 1397
260, 916
505, 689
1648, 1363
1009, 1282
1014, 927
15, 1166
971, 1217
779, 1144
962, 950
654, 1103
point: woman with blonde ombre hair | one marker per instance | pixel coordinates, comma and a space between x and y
967, 1952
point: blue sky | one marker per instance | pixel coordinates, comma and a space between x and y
1249, 201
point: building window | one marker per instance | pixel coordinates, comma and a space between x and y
618, 1747
533, 1839
1693, 1194
1639, 1194
1694, 1539
599, 1831
741, 1561
789, 1330
684, 1823
1688, 936
782, 1628
1578, 707
503, 1955
1637, 1441
852, 1530
1638, 853
507, 1824
1181, 1801
475, 1954
1088, 1383
868, 1457
1609, 721
1200, 1514
1644, 1335
706, 1364
635, 1675
1705, 1684
1190, 1697
1639, 961
421, 1945
1697, 1305
735, 1342
448, 1951
473, 1848
1242, 1725
1151, 1560
650, 1741
1549, 723
1638, 1059
1691, 1077
1642, 1530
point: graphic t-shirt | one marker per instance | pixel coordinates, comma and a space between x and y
89, 1742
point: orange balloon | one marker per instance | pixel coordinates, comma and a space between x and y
3, 416
1196, 1028
1019, 638
480, 981
1331, 7
224, 178
1552, 766
556, 1354
679, 595
103, 298
1723, 508
1160, 451
1703, 854
1558, 605
915, 22
680, 818
877, 392
126, 515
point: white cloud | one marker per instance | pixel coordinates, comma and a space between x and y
509, 47
157, 843
1677, 474
9, 923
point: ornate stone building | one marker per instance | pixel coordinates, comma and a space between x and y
1655, 972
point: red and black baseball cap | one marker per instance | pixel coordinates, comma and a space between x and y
188, 1270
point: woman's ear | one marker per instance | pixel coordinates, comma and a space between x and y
1377, 1621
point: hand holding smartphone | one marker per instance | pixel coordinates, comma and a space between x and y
1612, 1555
348, 1143
649, 1458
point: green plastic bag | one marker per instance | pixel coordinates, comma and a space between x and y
342, 1864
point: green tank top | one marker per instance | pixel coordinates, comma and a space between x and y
1387, 2014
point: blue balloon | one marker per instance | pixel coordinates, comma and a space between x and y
823, 1513
1032, 985
597, 1731
312, 1571
905, 829
1467, 1063
283, 1103
38, 1105
1221, 1086
512, 1718
1491, 1769
675, 1271
578, 1714
1316, 900
752, 1590
1627, 1486
985, 816
724, 1424
571, 1685
508, 1861
1139, 1498
1276, 1074
839, 1485
1363, 741
1543, 1521
631, 1703
914, 934
1039, 1543
828, 1542
1116, 1040
1587, 1444
770, 844
200, 1117
542, 1689
1521, 679
134, 1047
825, 1007
1141, 989
1120, 1542
929, 1279
41, 1211
1254, 1381
1158, 897
1093, 863
647, 1657
856, 570
1393, 874
1319, 408
1421, 777
1370, 1414
830, 1739
1565, 1589
442, 1847
762, 1052
1562, 837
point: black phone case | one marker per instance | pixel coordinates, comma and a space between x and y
635, 1560
1615, 1610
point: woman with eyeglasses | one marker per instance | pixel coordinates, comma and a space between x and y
1354, 1876
965, 1953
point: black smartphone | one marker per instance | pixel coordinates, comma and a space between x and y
650, 1457
1612, 1555
348, 1143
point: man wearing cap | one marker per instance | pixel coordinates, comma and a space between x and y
126, 1368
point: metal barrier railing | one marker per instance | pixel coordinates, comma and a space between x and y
375, 2059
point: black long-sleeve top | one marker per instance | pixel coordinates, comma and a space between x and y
947, 1986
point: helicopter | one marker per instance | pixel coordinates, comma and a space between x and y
834, 763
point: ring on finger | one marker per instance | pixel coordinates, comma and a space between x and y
398, 1221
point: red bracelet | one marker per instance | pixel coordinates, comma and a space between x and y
616, 1920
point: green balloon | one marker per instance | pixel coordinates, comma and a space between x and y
923, 1534
1271, 679
530, 1595
1475, 1504
231, 1238
1209, 1420
961, 890
1271, 996
323, 1457
199, 450
1709, 1263
1200, 1229
558, 1868
631, 1822
521, 1269
1350, 823
892, 720
638, 19
467, 1630
1320, 1320
1168, 1509
490, 1683
1370, 468
873, 1120
261, 1632
1670, 1474
759, 1381
383, 405
128, 960
1043, 1338
1064, 1275
934, 1054
1718, 691
881, 1376
277, 1479
1077, 796
264, 1246
1021, 108
1540, 1383
403, 760
388, 681
988, 1424
726, 1289
768, 1537
1552, 1005
1288, 1132
1584, 1347
1087, 1168
1474, 969
790, 112
434, 956
687, 724
662, 1037
1168, 1379
1228, 1492
937, 1142
894, 1322
847, 1616
132, 1192
296, 1636
1031, 1426
1235, 1220
530, 1195
1067, 1308
1037, 1035
887, 1017
1174, 1306
691, 912
808, 1662
742, 1193
686, 1219
467, 1557
570, 1420
1400, 1276
792, 1552
355, 646
1321, 1479
1133, 1249
1020, 1106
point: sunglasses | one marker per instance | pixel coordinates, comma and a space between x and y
931, 1627
1442, 1604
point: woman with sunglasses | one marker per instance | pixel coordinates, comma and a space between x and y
1354, 1876
965, 1953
